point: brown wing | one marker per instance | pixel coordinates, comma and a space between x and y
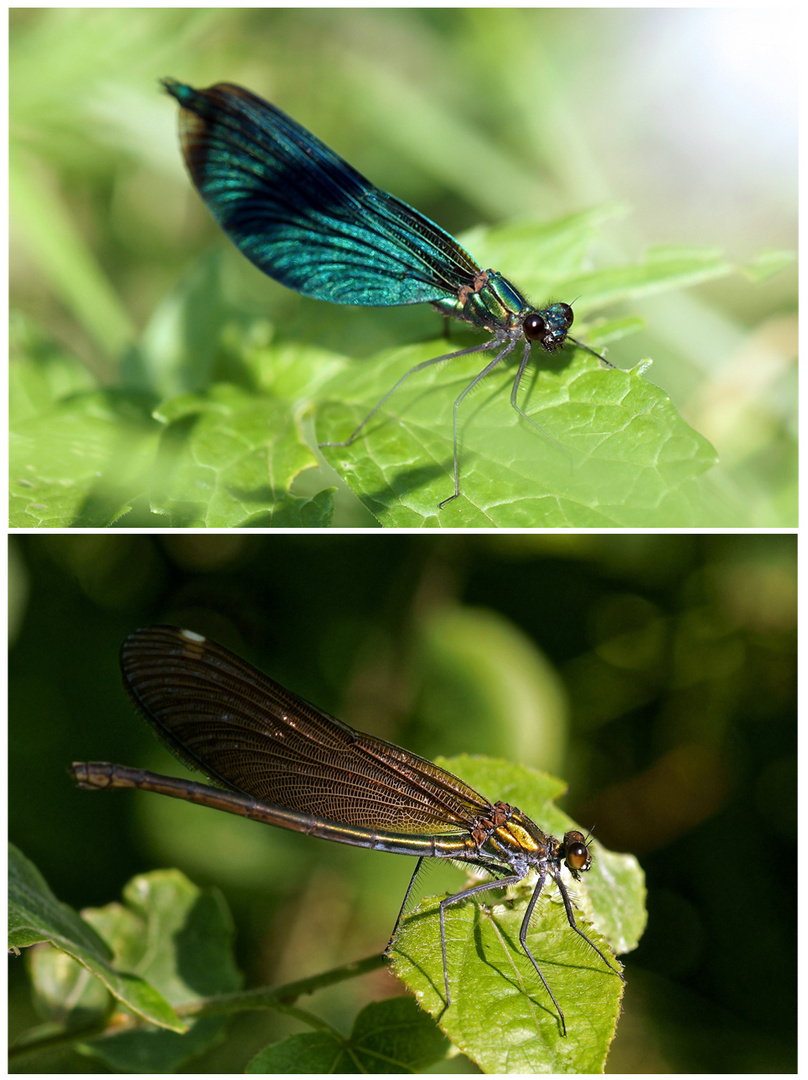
224, 718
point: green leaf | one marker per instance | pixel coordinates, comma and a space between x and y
543, 255
661, 270
41, 373
225, 449
768, 263
228, 458
35, 915
65, 991
387, 1037
620, 454
82, 462
224, 457
177, 938
501, 1015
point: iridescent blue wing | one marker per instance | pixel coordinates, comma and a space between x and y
305, 216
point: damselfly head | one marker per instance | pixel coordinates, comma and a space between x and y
575, 853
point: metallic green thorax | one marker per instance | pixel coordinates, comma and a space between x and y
491, 303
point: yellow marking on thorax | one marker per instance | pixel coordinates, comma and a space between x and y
514, 836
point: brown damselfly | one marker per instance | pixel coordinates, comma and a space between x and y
275, 758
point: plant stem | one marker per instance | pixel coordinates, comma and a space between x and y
268, 997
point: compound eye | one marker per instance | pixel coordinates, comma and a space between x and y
566, 313
534, 327
577, 856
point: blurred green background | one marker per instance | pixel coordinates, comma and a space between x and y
686, 117
656, 674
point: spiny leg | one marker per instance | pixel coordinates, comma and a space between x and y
509, 346
415, 873
562, 888
514, 390
499, 883
412, 371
